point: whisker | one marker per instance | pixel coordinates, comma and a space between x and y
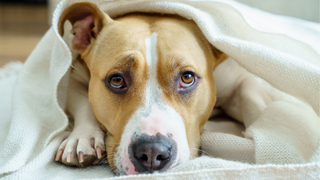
222, 90
73, 67
110, 146
113, 143
223, 97
101, 161
203, 145
204, 152
113, 168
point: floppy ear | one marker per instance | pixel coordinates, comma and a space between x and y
219, 55
87, 21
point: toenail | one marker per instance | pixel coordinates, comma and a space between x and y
98, 152
58, 156
69, 155
81, 157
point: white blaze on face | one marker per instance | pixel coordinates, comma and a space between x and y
153, 117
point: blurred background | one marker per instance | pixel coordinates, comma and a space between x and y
24, 22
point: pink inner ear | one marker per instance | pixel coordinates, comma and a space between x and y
83, 33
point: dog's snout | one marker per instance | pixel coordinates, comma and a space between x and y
152, 156
152, 153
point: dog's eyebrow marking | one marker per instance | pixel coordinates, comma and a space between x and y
124, 62
126, 59
179, 64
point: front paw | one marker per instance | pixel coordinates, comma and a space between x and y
84, 147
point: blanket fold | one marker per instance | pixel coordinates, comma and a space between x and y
283, 141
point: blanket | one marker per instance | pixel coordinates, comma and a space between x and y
282, 52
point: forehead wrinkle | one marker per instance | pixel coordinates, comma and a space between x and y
179, 63
126, 59
123, 62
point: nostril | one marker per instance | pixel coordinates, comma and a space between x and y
161, 158
144, 157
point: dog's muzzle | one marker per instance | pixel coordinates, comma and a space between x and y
155, 141
152, 153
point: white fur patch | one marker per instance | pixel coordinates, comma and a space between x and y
151, 53
153, 117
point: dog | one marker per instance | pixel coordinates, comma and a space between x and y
143, 87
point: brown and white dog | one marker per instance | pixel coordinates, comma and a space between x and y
149, 81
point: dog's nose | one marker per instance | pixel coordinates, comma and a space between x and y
152, 156
152, 153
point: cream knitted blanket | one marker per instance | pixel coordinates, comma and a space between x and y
282, 143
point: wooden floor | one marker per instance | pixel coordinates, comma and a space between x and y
21, 28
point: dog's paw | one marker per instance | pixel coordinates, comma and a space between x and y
84, 147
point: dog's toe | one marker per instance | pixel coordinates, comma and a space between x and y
81, 151
87, 160
100, 147
67, 152
85, 151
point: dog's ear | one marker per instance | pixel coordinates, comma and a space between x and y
219, 55
87, 21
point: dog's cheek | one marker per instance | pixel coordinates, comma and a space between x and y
100, 102
201, 109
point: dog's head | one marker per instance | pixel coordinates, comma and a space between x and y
151, 84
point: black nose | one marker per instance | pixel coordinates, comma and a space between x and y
152, 156
152, 153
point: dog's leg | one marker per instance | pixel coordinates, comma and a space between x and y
85, 144
247, 102
239, 94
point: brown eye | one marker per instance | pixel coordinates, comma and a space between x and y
186, 82
187, 78
117, 82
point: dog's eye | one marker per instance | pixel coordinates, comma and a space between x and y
117, 82
186, 82
187, 79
